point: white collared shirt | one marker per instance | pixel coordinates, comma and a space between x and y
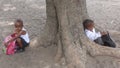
92, 35
26, 36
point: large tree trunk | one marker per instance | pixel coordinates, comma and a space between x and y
64, 19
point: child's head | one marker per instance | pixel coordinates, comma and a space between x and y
18, 24
88, 24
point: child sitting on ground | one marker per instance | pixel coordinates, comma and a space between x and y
101, 38
20, 35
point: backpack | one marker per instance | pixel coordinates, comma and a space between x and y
108, 41
10, 49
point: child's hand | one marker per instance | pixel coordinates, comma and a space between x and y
16, 31
104, 33
6, 44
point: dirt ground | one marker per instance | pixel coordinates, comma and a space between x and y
105, 13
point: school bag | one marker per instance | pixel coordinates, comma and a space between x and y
10, 49
108, 41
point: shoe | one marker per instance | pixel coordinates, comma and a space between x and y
20, 50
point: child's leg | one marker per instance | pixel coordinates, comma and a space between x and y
99, 41
19, 42
20, 45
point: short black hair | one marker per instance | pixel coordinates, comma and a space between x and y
19, 21
87, 21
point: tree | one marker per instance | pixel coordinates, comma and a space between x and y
64, 26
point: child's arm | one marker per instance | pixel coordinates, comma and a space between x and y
17, 36
92, 36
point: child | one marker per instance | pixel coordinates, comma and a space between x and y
20, 35
101, 38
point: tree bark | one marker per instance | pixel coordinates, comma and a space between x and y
65, 18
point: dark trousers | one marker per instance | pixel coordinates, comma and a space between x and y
24, 44
105, 40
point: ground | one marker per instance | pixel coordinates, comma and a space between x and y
33, 13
